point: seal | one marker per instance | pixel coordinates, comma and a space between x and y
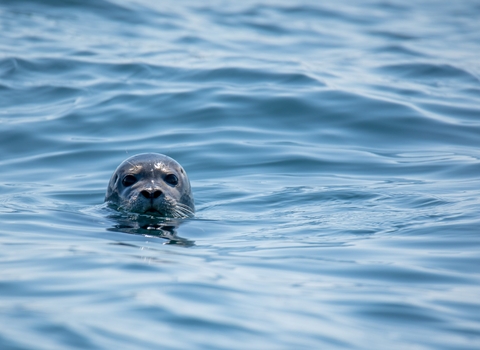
152, 184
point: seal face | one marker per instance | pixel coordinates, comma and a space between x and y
153, 184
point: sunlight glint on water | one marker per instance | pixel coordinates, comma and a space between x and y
333, 151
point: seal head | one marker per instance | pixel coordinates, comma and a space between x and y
152, 184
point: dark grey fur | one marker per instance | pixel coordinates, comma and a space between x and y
151, 194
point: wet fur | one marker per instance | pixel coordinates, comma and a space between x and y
150, 170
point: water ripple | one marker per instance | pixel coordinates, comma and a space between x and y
333, 155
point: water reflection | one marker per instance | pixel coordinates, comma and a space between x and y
151, 226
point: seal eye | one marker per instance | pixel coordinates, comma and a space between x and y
129, 180
171, 179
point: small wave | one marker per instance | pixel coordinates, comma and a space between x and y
429, 72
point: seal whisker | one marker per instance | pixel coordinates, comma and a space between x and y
183, 206
182, 211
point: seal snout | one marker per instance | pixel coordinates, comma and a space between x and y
151, 194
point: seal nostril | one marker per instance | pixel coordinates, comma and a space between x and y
150, 195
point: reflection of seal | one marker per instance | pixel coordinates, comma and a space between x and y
150, 226
152, 184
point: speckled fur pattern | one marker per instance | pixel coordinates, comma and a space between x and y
151, 193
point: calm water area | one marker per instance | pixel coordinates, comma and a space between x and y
333, 150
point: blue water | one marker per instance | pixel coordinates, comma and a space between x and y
333, 150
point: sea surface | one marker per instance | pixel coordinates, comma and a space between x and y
333, 150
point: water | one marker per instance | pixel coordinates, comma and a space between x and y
333, 151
